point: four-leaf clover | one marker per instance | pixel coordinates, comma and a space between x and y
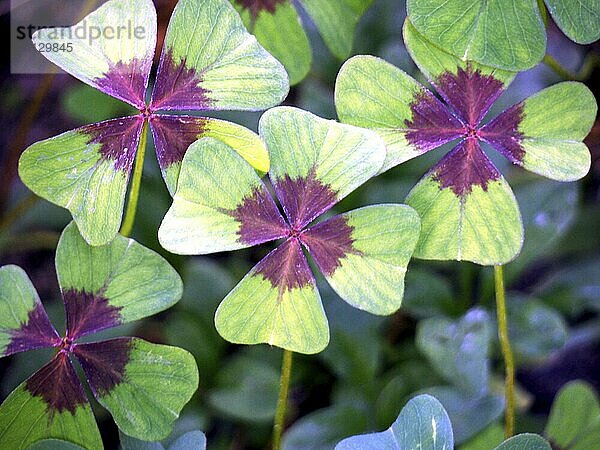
468, 210
209, 62
143, 385
221, 204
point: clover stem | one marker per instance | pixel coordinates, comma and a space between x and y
284, 386
590, 62
509, 383
134, 193
543, 12
558, 68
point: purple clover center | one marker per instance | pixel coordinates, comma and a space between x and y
66, 344
146, 112
468, 95
471, 132
294, 232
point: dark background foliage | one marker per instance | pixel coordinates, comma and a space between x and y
373, 364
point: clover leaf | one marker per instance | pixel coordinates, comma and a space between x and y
524, 441
221, 204
507, 34
209, 62
424, 424
458, 350
278, 27
579, 20
467, 208
143, 385
192, 440
574, 421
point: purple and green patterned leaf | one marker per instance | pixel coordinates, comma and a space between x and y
86, 171
364, 254
468, 87
467, 209
174, 134
116, 63
50, 404
220, 204
109, 285
374, 94
316, 162
143, 385
24, 324
543, 133
278, 28
210, 61
276, 303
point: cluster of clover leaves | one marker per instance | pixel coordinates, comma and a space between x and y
424, 424
463, 209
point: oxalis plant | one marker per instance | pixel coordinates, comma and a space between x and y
467, 208
463, 209
209, 62
143, 385
315, 163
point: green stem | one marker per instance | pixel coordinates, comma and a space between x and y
590, 62
134, 192
509, 388
543, 12
284, 386
558, 68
